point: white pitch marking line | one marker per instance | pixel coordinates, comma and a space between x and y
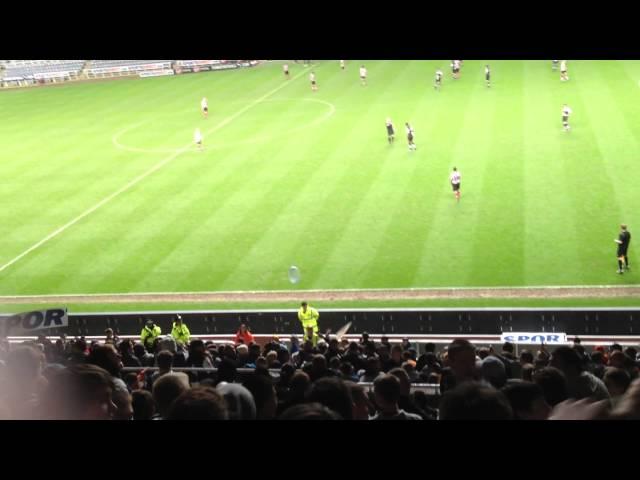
115, 139
141, 177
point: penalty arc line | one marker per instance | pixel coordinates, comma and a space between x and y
144, 175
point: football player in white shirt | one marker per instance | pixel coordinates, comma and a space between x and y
363, 75
314, 85
566, 111
563, 71
285, 69
410, 132
455, 68
197, 138
487, 75
438, 80
455, 183
342, 64
204, 106
390, 131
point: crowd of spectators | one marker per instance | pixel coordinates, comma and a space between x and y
334, 379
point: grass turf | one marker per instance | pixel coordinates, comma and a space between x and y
291, 181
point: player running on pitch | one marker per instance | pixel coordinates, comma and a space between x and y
563, 71
410, 133
363, 75
566, 111
314, 85
390, 131
285, 69
438, 80
455, 183
204, 106
342, 64
487, 75
197, 138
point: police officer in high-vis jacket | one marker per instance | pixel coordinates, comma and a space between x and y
180, 332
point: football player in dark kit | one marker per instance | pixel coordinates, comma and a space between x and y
623, 245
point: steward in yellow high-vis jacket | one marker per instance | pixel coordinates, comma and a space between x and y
308, 316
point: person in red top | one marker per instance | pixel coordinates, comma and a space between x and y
243, 335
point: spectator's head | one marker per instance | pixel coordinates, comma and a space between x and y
553, 384
309, 411
372, 366
322, 346
475, 401
403, 377
494, 372
124, 408
23, 365
615, 347
178, 320
617, 359
334, 394
483, 352
507, 347
143, 405
361, 404
108, 333
387, 391
430, 347
409, 366
167, 388
196, 347
125, 347
242, 350
264, 395
199, 403
261, 363
166, 343
299, 385
396, 353
598, 358
165, 360
631, 352
527, 401
567, 360
462, 359
139, 350
271, 357
240, 403
617, 381
526, 357
80, 392
286, 372
227, 371
106, 357
319, 363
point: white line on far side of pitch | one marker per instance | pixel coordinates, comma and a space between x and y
144, 175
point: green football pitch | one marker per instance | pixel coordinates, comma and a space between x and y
103, 191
